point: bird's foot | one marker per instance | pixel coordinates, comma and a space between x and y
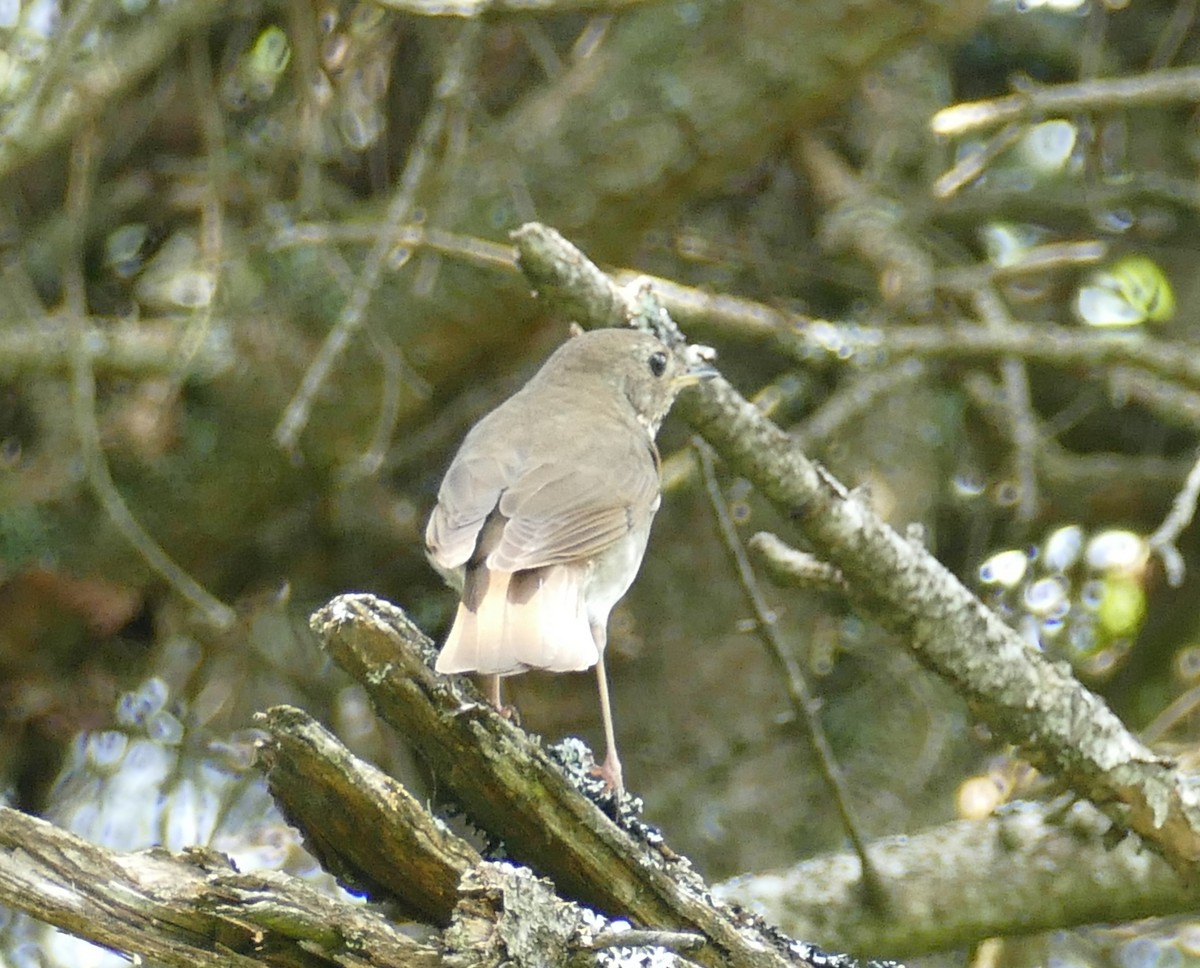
610, 772
511, 713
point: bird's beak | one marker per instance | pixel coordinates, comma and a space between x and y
699, 366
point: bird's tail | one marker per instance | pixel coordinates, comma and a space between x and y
509, 622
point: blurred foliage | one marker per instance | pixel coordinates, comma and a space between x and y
247, 160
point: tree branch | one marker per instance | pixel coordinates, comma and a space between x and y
1062, 726
333, 796
190, 910
1028, 869
510, 788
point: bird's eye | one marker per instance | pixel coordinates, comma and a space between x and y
658, 363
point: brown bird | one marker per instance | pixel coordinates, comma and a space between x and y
546, 509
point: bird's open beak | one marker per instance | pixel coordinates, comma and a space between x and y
699, 365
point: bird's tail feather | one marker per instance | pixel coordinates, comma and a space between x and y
528, 620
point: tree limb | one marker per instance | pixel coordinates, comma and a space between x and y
511, 789
1029, 868
1063, 727
190, 910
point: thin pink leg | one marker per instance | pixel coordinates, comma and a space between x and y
610, 769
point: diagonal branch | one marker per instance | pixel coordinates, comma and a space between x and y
1062, 726
510, 788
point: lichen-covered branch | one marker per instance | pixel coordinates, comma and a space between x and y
194, 910
334, 797
510, 787
1028, 869
1030, 701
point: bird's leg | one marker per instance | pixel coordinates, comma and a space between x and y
610, 769
491, 688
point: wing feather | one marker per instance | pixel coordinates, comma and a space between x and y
566, 511
558, 509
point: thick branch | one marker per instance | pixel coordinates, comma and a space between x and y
1025, 698
333, 796
195, 910
1023, 871
512, 789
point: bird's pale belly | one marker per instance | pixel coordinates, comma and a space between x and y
611, 574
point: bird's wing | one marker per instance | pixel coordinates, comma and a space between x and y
592, 494
468, 495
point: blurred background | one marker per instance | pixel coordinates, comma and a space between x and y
255, 286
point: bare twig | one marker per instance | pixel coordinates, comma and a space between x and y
1034, 261
1183, 509
804, 706
83, 400
1171, 403
975, 161
212, 206
1022, 425
86, 91
397, 374
449, 88
465, 248
1173, 34
482, 8
1159, 87
790, 566
853, 398
809, 339
83, 18
859, 218
120, 348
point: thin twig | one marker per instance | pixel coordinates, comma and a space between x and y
1183, 509
1022, 422
803, 704
1161, 87
861, 219
1179, 710
83, 400
790, 566
41, 344
449, 87
815, 339
1173, 34
853, 399
1037, 260
141, 50
397, 373
61, 54
466, 248
480, 8
212, 212
975, 162
1169, 402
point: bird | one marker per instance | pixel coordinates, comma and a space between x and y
546, 508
